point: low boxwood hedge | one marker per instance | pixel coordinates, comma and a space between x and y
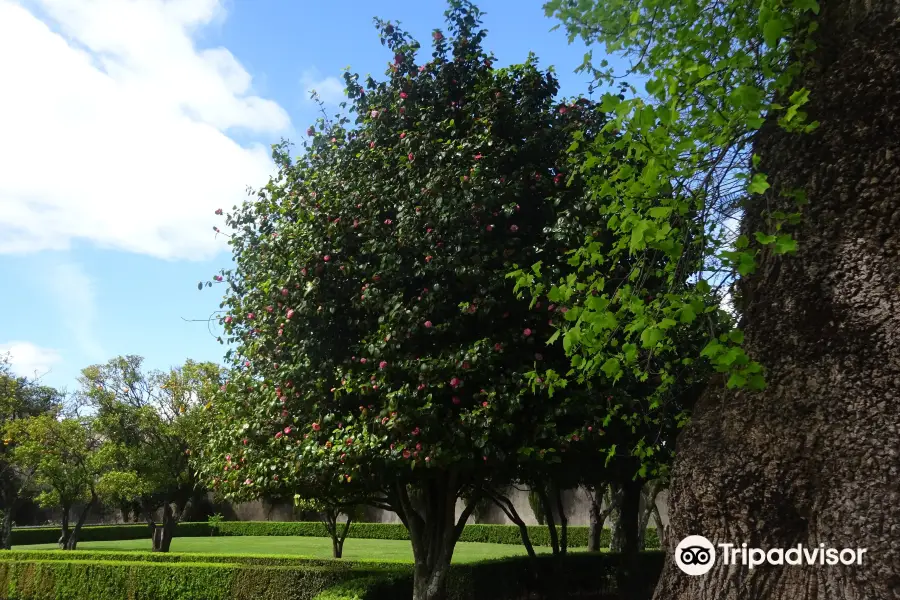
495, 534
579, 575
135, 580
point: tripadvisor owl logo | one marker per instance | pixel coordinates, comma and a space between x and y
695, 555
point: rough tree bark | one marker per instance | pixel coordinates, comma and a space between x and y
69, 538
64, 527
814, 459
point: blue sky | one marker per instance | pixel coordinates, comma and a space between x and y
127, 123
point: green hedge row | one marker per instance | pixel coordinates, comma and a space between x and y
496, 534
581, 574
134, 580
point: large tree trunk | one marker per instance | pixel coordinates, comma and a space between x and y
6, 529
433, 531
627, 576
814, 459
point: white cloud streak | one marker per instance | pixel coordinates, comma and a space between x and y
29, 360
330, 89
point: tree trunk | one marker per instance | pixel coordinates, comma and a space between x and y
563, 522
64, 528
617, 539
550, 518
598, 518
433, 531
660, 529
6, 528
814, 458
512, 514
72, 539
627, 576
163, 534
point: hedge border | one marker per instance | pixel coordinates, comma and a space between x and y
493, 534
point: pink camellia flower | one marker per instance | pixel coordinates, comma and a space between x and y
250, 315
410, 156
270, 308
382, 364
246, 363
228, 319
287, 429
281, 332
406, 454
310, 131
484, 404
427, 459
245, 441
248, 481
422, 69
228, 457
514, 228
562, 110
527, 332
402, 135
551, 307
333, 140
498, 347
285, 291
362, 360
404, 95
418, 446
421, 387
428, 324
218, 211
518, 208
374, 114
316, 427
387, 221
416, 431
371, 144
284, 413
465, 365
563, 310
490, 227
277, 435
438, 36
428, 258
326, 258
478, 157
455, 382
383, 421
402, 110
290, 313
456, 400
590, 428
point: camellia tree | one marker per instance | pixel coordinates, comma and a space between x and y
378, 342
148, 421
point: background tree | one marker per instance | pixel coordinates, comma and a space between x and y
20, 398
732, 90
378, 341
148, 421
329, 511
62, 454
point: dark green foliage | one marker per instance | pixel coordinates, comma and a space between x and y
493, 534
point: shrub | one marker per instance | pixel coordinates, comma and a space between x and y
102, 533
138, 580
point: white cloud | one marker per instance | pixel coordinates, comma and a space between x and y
73, 291
115, 127
330, 89
29, 360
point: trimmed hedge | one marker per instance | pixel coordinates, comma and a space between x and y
116, 580
580, 575
494, 534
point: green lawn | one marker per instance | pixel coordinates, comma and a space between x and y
313, 547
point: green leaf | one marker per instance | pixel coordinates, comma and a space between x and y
764, 239
785, 245
736, 336
611, 367
651, 336
687, 314
772, 31
660, 212
758, 184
